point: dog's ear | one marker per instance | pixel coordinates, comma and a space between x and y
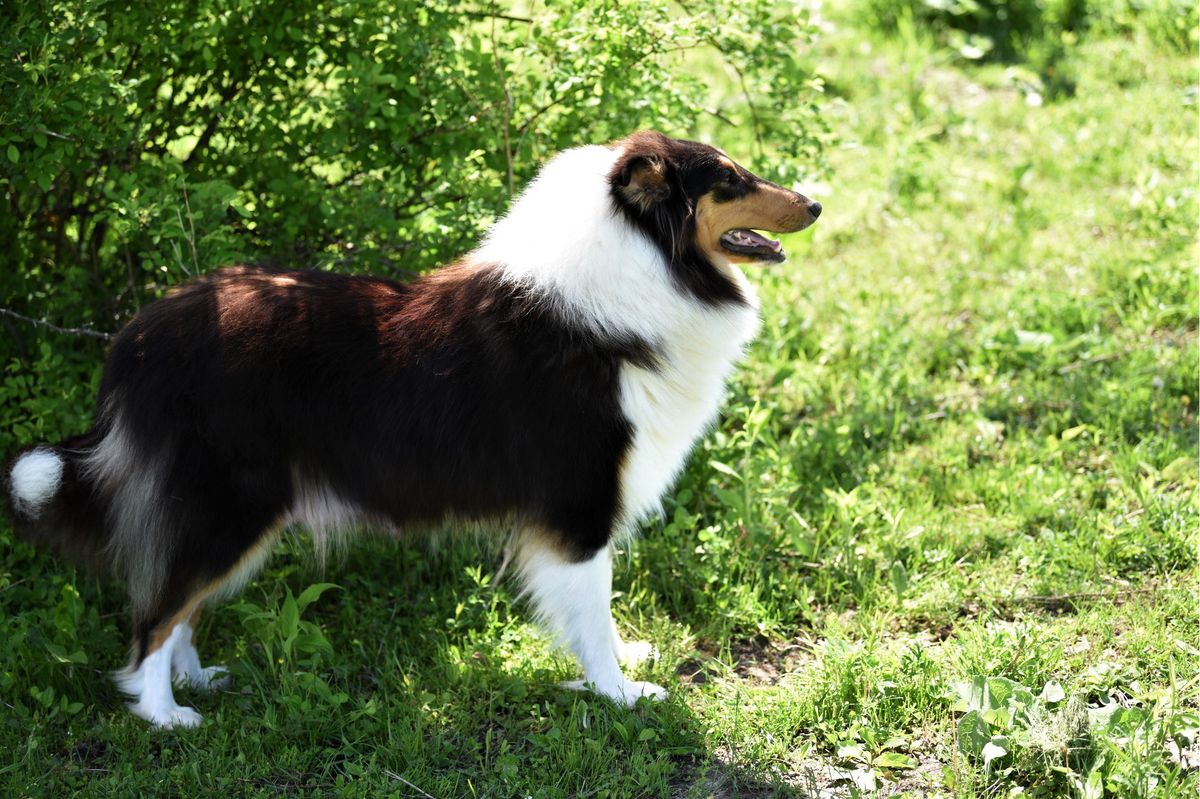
643, 181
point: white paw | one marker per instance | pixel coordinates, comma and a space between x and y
209, 678
633, 652
168, 716
625, 693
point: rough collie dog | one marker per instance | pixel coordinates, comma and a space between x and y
556, 377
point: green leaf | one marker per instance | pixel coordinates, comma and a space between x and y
993, 693
13, 154
1178, 469
289, 616
1073, 432
311, 641
723, 469
993, 750
312, 593
851, 752
1053, 692
973, 734
894, 760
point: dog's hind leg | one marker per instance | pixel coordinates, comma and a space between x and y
185, 661
159, 636
573, 598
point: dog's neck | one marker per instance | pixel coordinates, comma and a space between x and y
564, 241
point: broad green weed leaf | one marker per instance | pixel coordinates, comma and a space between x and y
894, 760
312, 593
993, 693
1052, 692
289, 616
973, 734
994, 749
1179, 469
899, 578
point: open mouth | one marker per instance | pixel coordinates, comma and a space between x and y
744, 241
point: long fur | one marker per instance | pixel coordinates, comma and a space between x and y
557, 376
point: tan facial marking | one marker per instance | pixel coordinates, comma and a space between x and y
768, 207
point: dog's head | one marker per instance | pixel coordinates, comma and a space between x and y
701, 208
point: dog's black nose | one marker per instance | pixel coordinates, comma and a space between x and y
815, 210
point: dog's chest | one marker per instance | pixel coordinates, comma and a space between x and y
670, 407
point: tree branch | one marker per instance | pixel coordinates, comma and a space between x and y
67, 331
495, 15
508, 107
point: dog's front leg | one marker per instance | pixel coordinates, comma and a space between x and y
573, 598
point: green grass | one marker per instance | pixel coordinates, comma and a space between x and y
964, 447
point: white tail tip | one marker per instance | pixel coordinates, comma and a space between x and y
35, 479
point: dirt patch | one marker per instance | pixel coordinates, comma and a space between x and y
811, 778
88, 754
759, 661
719, 778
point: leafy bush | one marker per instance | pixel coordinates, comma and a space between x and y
1035, 30
1126, 745
983, 28
141, 145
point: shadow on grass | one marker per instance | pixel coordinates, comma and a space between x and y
438, 687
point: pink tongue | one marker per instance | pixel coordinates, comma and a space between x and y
748, 238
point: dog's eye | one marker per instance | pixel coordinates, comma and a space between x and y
728, 175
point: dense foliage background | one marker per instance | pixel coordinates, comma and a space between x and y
944, 539
140, 145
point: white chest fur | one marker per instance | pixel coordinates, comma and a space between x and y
671, 407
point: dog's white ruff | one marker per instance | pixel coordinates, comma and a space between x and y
585, 260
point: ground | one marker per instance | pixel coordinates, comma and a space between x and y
943, 541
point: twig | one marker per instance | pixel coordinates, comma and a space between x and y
508, 106
758, 136
396, 776
714, 112
725, 56
1108, 356
494, 15
68, 331
53, 135
286, 786
1068, 599
190, 235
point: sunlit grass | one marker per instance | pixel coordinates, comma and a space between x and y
964, 446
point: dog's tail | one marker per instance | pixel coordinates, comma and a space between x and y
55, 502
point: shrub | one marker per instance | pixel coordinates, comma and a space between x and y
1035, 30
143, 144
